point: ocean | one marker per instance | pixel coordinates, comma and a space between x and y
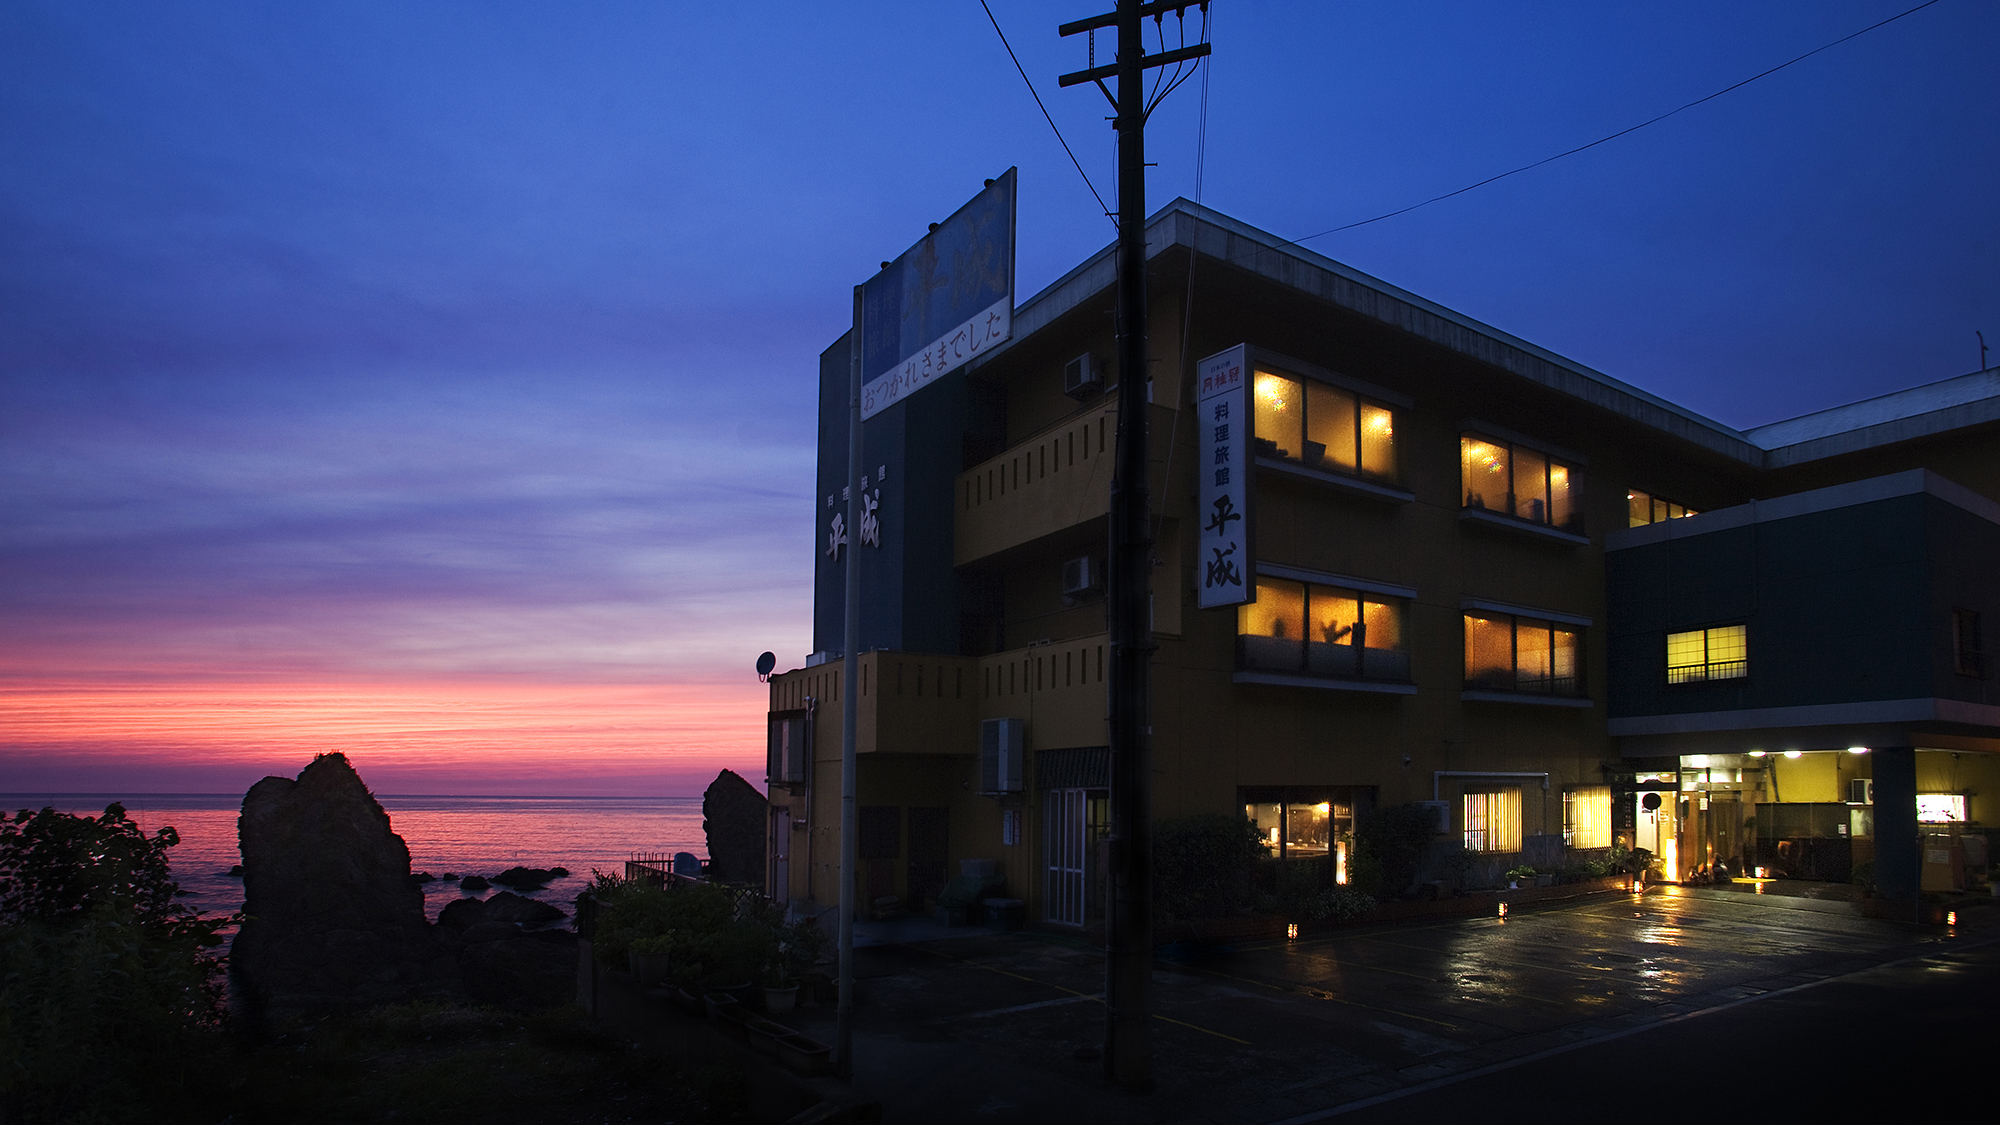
463, 835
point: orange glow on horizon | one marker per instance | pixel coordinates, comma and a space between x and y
539, 727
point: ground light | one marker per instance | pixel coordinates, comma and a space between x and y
1503, 910
1291, 931
1951, 917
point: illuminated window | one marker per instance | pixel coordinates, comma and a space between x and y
1940, 808
1300, 826
1643, 508
1517, 481
1322, 631
1587, 817
1323, 427
1522, 654
1967, 657
1721, 653
1493, 821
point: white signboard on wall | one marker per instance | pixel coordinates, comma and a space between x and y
1224, 572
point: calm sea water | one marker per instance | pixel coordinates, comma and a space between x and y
464, 835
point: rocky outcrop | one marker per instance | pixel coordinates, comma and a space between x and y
331, 917
734, 815
505, 907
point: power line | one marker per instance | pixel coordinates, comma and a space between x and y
1045, 109
1619, 133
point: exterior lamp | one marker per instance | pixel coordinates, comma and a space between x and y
1793, 753
1951, 917
1857, 749
1503, 910
1291, 931
1758, 753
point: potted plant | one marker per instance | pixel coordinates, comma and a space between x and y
649, 959
1516, 874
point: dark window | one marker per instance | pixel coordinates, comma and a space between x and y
1968, 658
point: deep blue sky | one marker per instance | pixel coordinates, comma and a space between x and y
388, 341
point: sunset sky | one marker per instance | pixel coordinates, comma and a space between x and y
435, 382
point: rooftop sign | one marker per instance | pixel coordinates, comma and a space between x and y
947, 299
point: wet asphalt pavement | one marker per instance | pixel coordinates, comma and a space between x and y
1613, 989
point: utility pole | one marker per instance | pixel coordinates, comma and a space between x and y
1128, 1047
850, 710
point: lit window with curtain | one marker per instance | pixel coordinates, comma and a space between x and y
1315, 630
1698, 655
1522, 655
1323, 427
1493, 821
1587, 816
1514, 480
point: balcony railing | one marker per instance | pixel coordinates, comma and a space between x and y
1318, 658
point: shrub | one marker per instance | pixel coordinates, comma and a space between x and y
110, 991
1303, 895
1203, 865
1389, 846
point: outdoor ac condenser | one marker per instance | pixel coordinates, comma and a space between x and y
1440, 813
1081, 378
1081, 576
1860, 791
1000, 752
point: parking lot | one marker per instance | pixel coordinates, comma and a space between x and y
1007, 1025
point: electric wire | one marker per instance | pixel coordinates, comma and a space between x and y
1045, 109
1619, 133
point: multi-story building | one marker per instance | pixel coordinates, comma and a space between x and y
1559, 609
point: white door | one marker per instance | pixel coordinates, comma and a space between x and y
781, 855
1064, 841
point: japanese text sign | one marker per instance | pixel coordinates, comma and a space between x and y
1224, 572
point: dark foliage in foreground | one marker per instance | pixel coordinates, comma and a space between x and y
110, 990
1205, 865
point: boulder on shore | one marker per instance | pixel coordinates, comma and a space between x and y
734, 818
473, 883
505, 907
332, 918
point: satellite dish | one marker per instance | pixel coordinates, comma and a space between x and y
765, 663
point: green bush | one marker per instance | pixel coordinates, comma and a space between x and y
1203, 865
110, 991
1302, 894
1389, 847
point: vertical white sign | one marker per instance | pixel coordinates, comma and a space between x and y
1222, 428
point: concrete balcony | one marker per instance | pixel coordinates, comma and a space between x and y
1057, 687
911, 703
1055, 479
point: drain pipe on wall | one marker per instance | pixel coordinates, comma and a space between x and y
1438, 776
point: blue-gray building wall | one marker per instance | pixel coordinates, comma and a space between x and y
909, 588
1845, 605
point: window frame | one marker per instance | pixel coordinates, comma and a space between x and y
1492, 821
1515, 685
1573, 521
1968, 656
1659, 509
1597, 794
1266, 447
1386, 665
1708, 664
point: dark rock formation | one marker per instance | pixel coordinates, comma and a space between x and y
529, 878
506, 907
734, 818
332, 919
474, 883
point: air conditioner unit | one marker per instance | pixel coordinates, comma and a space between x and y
788, 750
1860, 791
1081, 378
1440, 815
1080, 576
1000, 755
